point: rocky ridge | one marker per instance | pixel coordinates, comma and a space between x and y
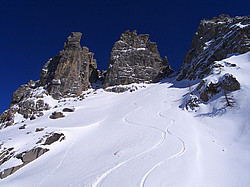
67, 75
133, 59
213, 41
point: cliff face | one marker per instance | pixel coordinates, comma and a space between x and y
71, 71
134, 58
213, 41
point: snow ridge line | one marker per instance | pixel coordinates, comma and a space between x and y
105, 174
181, 152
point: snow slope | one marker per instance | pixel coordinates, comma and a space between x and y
143, 138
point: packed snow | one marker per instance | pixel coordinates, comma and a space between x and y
142, 138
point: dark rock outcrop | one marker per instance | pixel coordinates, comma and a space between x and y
227, 83
134, 59
22, 103
26, 158
165, 69
56, 115
23, 126
230, 83
33, 154
122, 88
23, 92
39, 129
71, 71
6, 154
69, 109
9, 171
192, 102
54, 137
7, 117
213, 41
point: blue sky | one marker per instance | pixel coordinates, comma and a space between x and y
32, 31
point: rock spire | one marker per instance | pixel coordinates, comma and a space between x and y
71, 71
134, 58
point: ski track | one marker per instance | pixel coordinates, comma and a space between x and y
64, 156
100, 180
181, 152
165, 132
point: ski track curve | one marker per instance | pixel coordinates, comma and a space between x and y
59, 164
73, 142
100, 180
180, 153
164, 133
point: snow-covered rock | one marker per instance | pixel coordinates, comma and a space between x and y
213, 41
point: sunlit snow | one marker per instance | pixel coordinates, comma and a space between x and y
143, 138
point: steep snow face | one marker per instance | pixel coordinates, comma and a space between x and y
213, 41
142, 138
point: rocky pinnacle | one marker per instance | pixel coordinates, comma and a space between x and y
71, 71
134, 58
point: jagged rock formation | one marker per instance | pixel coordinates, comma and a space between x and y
207, 90
213, 41
67, 74
27, 101
71, 71
134, 58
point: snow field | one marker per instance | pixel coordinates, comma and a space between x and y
142, 139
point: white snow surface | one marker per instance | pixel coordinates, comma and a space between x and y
143, 139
